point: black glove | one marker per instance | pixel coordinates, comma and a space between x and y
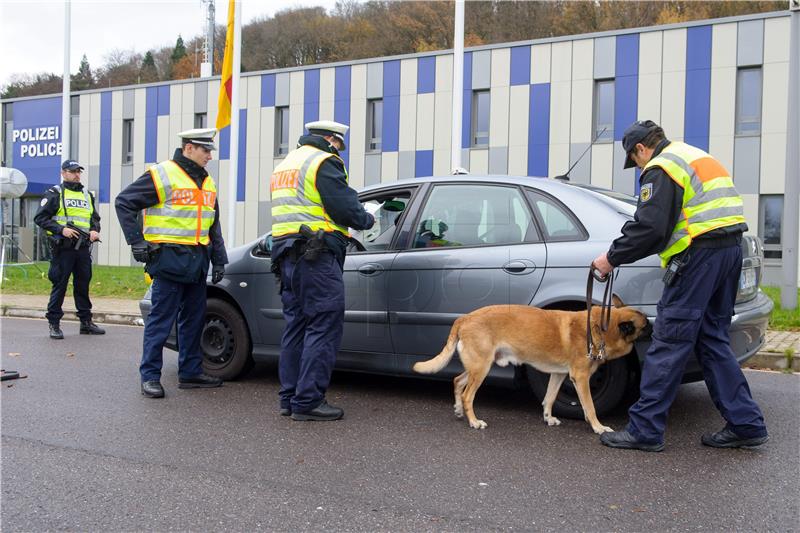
217, 273
141, 251
372, 223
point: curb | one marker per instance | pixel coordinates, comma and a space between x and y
773, 361
97, 316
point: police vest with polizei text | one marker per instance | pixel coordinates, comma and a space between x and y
295, 197
75, 207
710, 200
185, 212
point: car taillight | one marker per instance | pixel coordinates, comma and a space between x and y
752, 260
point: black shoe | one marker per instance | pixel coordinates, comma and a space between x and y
55, 332
285, 411
200, 381
323, 411
623, 439
90, 328
728, 439
152, 389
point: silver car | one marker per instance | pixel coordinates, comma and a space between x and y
442, 247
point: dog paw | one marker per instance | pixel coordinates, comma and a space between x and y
602, 429
552, 421
458, 409
478, 424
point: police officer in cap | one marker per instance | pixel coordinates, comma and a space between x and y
310, 188
68, 214
691, 215
178, 235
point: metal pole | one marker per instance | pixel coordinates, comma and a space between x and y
65, 107
234, 152
791, 195
458, 86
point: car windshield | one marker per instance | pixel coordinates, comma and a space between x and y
623, 203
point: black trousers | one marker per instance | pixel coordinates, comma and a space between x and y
66, 262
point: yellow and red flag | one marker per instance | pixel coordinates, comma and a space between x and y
226, 85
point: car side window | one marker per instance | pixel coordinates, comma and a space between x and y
559, 224
387, 212
473, 215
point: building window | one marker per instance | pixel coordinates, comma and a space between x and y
374, 124
480, 119
604, 110
200, 120
769, 225
281, 131
8, 132
127, 141
74, 125
748, 101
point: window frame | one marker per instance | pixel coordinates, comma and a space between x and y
739, 120
608, 135
474, 133
202, 123
127, 141
374, 143
281, 148
545, 235
772, 247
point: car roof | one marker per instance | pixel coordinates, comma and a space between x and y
543, 183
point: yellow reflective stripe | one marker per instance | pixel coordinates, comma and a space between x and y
279, 210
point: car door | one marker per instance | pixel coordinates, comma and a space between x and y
474, 245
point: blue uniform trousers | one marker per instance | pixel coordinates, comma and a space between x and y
171, 300
66, 262
312, 293
694, 315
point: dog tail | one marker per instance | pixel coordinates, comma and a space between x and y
431, 366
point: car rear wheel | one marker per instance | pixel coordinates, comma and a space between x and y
225, 341
608, 385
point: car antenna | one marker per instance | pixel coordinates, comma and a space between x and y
565, 177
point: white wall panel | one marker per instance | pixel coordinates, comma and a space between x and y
479, 161
358, 124
540, 63
603, 165
519, 111
355, 170
265, 154
358, 81
581, 113
649, 98
175, 118
518, 160
441, 162
85, 132
389, 167
327, 93
776, 40
187, 106
750, 207
561, 62
408, 76
650, 52
501, 67
498, 116
408, 122
296, 87
583, 59
425, 122
213, 102
165, 143
773, 127
723, 45
722, 114
560, 95
113, 232
674, 83
773, 163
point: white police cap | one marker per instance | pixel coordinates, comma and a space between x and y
200, 136
328, 127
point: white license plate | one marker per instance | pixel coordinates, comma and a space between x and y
748, 279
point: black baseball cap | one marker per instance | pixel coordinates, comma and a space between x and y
635, 134
71, 164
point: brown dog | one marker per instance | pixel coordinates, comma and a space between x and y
548, 340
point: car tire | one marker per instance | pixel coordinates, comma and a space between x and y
225, 341
608, 385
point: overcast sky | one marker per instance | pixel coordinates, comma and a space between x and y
32, 31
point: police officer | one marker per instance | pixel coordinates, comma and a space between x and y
310, 188
691, 215
179, 234
68, 213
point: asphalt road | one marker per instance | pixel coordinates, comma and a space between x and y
83, 450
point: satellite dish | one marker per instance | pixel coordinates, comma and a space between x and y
13, 183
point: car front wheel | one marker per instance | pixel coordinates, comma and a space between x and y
225, 341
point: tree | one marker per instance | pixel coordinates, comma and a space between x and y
31, 85
179, 52
148, 73
185, 68
121, 68
83, 79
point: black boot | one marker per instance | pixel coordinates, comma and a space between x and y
55, 332
323, 411
152, 389
200, 381
90, 328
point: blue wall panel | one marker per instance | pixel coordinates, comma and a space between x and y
698, 86
426, 75
163, 100
268, 90
224, 144
466, 104
539, 130
521, 65
151, 125
423, 163
626, 85
311, 96
36, 140
391, 106
104, 186
341, 104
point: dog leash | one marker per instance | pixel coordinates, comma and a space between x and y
605, 312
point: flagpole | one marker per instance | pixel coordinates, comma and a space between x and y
234, 148
65, 107
458, 86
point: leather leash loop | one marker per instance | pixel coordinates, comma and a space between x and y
605, 312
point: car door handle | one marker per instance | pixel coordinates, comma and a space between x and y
370, 269
519, 266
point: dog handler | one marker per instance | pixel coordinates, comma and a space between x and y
310, 188
691, 215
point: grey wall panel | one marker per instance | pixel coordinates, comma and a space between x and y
213, 169
750, 43
94, 177
746, 164
464, 159
498, 160
481, 69
128, 104
126, 177
583, 170
405, 164
372, 169
375, 80
201, 97
605, 50
623, 180
264, 217
282, 89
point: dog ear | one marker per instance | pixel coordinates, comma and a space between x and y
617, 301
627, 328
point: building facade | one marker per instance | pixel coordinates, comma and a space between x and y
529, 108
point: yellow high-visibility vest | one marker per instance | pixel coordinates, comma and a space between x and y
75, 207
184, 212
295, 197
710, 200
